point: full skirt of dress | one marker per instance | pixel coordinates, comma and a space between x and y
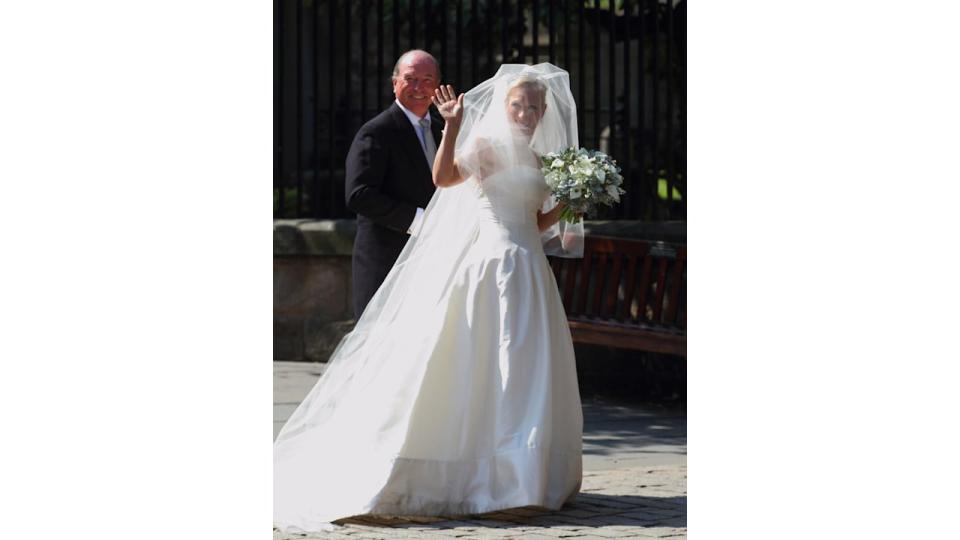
477, 408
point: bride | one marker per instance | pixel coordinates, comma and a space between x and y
456, 393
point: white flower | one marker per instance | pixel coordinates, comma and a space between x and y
557, 163
584, 167
574, 193
613, 192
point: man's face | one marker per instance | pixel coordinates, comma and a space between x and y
415, 83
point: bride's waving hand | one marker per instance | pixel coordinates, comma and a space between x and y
445, 170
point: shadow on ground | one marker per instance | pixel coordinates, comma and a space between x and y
632, 434
656, 380
588, 511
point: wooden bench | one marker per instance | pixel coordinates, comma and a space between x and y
626, 293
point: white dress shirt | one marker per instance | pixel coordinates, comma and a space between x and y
415, 121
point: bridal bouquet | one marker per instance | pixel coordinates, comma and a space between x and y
583, 179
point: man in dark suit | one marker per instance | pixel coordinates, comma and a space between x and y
388, 173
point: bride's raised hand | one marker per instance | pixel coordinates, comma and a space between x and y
449, 104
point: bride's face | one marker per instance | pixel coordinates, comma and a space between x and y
525, 107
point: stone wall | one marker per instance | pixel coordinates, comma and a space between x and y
312, 308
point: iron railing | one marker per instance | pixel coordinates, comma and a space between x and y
627, 62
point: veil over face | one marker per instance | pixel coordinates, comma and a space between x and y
491, 141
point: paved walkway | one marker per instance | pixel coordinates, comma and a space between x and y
634, 483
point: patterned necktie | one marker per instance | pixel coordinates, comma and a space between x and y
429, 145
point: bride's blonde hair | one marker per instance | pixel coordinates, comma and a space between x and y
529, 81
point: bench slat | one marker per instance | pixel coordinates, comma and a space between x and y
580, 300
673, 301
661, 289
624, 310
609, 308
643, 286
632, 338
568, 287
600, 282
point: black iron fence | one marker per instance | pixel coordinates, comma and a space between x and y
627, 63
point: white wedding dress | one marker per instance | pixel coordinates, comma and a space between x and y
477, 407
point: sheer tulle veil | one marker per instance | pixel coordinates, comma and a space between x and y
368, 361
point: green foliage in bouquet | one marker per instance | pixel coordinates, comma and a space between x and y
583, 179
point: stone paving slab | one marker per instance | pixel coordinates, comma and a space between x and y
614, 503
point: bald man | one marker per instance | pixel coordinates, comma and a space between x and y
388, 173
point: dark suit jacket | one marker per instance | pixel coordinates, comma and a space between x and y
387, 178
